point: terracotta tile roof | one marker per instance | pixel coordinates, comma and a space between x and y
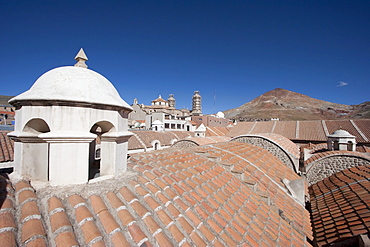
134, 143
322, 155
316, 130
241, 128
364, 127
6, 147
263, 127
198, 141
311, 131
341, 205
286, 128
225, 194
345, 125
216, 131
166, 138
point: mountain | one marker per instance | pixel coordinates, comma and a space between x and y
287, 105
4, 99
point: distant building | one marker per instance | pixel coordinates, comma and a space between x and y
162, 114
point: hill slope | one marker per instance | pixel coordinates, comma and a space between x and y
288, 105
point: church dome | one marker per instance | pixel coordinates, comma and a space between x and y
341, 133
73, 84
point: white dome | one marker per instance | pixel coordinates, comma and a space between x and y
220, 114
341, 133
73, 84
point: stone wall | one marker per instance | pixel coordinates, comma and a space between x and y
327, 166
269, 146
184, 144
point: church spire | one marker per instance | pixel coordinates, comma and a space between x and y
81, 58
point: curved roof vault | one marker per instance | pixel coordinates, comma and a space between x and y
340, 206
222, 194
288, 151
325, 164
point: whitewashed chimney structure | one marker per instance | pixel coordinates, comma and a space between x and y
58, 120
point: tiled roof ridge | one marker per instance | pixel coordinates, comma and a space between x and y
358, 130
210, 129
173, 133
264, 174
283, 143
273, 127
139, 139
326, 131
324, 155
297, 130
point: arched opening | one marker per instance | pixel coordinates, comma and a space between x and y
36, 149
36, 126
156, 146
336, 145
96, 146
350, 146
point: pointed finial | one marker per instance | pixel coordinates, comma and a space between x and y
81, 58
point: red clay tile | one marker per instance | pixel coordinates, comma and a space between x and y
198, 241
173, 210
58, 220
108, 222
162, 240
139, 209
75, 199
8, 239
29, 208
82, 213
125, 217
90, 231
54, 203
21, 185
176, 233
127, 194
26, 194
151, 224
136, 233
7, 204
214, 226
31, 228
6, 220
98, 204
38, 242
206, 232
229, 241
164, 217
184, 223
65, 239
98, 244
119, 240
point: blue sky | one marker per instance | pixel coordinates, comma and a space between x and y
236, 50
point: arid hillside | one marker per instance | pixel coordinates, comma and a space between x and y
288, 105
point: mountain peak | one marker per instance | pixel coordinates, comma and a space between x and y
288, 105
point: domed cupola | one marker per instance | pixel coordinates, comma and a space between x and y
58, 121
341, 140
